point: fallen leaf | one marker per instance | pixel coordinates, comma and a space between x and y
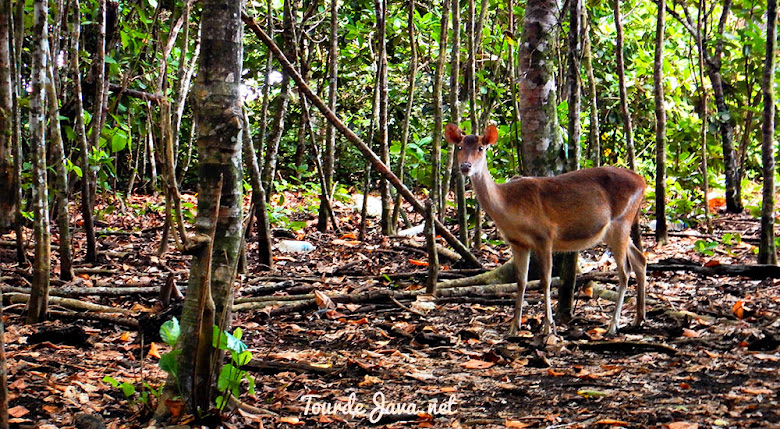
323, 301
516, 424
555, 373
690, 333
477, 364
738, 309
418, 262
682, 425
125, 337
154, 351
18, 411
370, 381
612, 422
291, 421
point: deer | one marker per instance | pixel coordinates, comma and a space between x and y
566, 213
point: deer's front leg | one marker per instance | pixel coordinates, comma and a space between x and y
521, 258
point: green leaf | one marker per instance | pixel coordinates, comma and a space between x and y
111, 380
168, 362
128, 389
170, 331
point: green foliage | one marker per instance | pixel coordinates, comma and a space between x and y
231, 376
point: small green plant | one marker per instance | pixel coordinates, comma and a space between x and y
231, 376
135, 397
705, 247
169, 332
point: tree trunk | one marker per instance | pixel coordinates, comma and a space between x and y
454, 104
660, 127
8, 184
594, 133
384, 144
703, 95
543, 150
264, 252
90, 187
328, 161
272, 147
37, 306
438, 118
569, 260
767, 253
628, 129
397, 207
61, 173
215, 246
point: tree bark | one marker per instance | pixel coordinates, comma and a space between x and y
39, 294
542, 147
767, 254
661, 233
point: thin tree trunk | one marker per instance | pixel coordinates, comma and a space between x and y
81, 133
328, 161
569, 260
628, 128
37, 306
703, 95
767, 254
397, 207
272, 148
264, 252
18, 38
469, 79
661, 234
8, 185
594, 133
438, 119
61, 173
454, 104
383, 132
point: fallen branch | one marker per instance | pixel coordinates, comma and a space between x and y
73, 304
626, 347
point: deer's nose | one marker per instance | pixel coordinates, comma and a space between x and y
465, 167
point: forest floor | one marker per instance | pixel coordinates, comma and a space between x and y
712, 362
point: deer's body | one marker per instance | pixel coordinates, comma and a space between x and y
570, 212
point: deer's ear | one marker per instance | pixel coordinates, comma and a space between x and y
453, 134
491, 135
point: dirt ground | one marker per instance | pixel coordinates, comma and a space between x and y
706, 358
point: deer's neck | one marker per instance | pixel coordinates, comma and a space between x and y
488, 194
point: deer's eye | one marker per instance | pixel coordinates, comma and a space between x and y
460, 147
481, 149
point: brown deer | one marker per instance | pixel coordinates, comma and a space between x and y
566, 213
